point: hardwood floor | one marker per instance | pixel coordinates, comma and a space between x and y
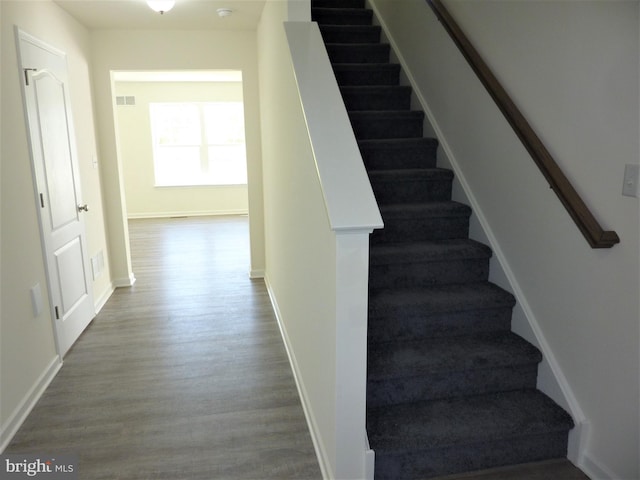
182, 376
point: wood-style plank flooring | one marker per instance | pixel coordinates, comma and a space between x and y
182, 376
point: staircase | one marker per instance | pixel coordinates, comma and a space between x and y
450, 387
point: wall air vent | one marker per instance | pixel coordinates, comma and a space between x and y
125, 100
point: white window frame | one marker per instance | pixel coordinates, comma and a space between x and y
211, 171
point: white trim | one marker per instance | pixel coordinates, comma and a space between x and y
321, 454
369, 463
29, 401
202, 213
346, 189
595, 470
577, 442
257, 273
104, 297
124, 282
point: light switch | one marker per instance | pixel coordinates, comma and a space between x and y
36, 300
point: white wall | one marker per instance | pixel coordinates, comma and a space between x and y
28, 357
143, 198
319, 211
572, 67
289, 173
172, 50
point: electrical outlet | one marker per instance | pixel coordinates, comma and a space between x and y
631, 178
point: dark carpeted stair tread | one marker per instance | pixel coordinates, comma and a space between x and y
418, 252
341, 16
358, 52
450, 354
428, 263
397, 153
423, 221
410, 325
350, 33
411, 185
376, 97
367, 73
422, 210
387, 123
372, 115
381, 89
466, 420
407, 174
440, 298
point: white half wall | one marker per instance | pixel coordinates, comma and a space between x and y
319, 211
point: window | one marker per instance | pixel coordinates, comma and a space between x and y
198, 143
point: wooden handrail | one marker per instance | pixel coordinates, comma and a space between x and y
582, 216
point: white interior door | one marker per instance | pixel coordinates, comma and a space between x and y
57, 183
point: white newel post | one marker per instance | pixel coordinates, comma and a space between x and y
352, 273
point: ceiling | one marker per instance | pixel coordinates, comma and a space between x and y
186, 15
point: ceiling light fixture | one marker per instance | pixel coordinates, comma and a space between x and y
161, 6
224, 12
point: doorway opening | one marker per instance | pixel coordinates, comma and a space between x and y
181, 142
196, 144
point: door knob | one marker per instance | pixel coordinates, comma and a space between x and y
83, 208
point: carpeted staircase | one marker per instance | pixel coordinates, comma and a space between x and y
450, 387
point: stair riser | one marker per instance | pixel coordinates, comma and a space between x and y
375, 53
341, 17
414, 323
450, 384
429, 273
366, 128
418, 229
422, 464
421, 155
389, 192
352, 76
337, 3
398, 99
350, 34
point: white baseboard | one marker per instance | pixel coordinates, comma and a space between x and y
203, 213
595, 470
256, 273
29, 401
100, 302
370, 462
321, 454
124, 282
